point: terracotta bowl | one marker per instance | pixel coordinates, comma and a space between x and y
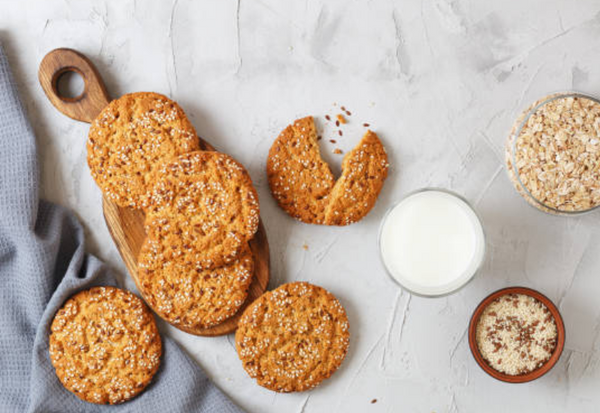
535, 374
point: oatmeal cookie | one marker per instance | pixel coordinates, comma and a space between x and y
203, 202
187, 295
104, 345
292, 338
304, 186
129, 138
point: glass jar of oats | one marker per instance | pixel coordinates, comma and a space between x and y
553, 154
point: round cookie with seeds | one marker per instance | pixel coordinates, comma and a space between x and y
304, 186
292, 338
185, 294
104, 345
129, 138
205, 203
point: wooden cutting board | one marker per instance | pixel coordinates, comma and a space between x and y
126, 225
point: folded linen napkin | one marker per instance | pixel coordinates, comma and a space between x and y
42, 263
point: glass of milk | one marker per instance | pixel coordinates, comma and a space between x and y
432, 242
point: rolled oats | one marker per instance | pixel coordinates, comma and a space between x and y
553, 154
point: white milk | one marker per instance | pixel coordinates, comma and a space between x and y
432, 242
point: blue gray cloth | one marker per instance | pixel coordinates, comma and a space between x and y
42, 263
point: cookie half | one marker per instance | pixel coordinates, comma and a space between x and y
304, 186
129, 138
184, 293
104, 345
364, 170
203, 202
300, 180
292, 338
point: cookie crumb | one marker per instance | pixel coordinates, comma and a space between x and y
341, 118
337, 151
305, 247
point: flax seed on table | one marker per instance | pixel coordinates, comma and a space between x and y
516, 334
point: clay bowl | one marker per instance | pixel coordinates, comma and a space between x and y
535, 374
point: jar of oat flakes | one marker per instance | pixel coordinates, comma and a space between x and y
553, 154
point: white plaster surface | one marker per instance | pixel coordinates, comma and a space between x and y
441, 81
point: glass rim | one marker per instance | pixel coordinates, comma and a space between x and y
513, 151
402, 199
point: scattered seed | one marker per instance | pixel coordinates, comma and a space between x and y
343, 108
348, 113
337, 123
340, 132
366, 125
332, 141
373, 401
327, 117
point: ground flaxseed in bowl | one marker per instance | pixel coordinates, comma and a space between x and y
516, 334
553, 154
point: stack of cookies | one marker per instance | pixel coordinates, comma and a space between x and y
201, 209
195, 266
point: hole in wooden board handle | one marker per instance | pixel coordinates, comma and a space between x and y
94, 98
66, 84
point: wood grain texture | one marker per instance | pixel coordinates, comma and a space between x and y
126, 225
94, 97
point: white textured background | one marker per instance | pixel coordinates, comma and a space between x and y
441, 82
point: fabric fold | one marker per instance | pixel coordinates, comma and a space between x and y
42, 263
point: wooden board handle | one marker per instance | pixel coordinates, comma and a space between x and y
94, 97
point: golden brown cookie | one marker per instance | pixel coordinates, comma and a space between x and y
299, 178
129, 138
203, 202
292, 338
104, 345
364, 170
303, 185
185, 294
